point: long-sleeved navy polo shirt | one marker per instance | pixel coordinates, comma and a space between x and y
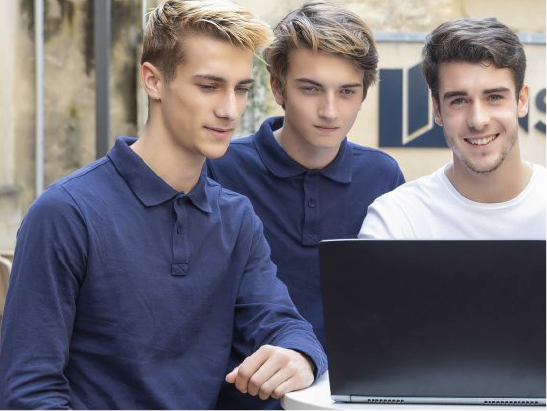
300, 207
125, 293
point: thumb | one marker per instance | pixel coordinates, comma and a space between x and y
231, 377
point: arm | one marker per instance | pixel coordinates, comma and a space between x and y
48, 268
267, 318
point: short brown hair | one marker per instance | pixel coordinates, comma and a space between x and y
473, 40
327, 27
172, 20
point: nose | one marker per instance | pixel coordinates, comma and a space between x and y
228, 107
479, 117
327, 108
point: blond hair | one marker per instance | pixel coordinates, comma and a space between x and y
171, 21
326, 27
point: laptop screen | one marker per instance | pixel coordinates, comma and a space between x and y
457, 319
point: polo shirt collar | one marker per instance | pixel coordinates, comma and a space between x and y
281, 165
147, 185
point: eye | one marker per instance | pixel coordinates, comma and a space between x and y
207, 88
458, 101
347, 92
243, 90
494, 97
309, 89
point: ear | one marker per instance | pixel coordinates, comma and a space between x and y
276, 90
522, 103
437, 112
152, 80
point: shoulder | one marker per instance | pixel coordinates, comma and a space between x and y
233, 210
414, 192
238, 163
228, 200
89, 175
239, 147
539, 171
60, 200
371, 157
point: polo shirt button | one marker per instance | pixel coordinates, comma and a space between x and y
179, 201
179, 229
311, 204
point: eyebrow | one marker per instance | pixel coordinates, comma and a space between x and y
451, 94
220, 79
315, 83
496, 90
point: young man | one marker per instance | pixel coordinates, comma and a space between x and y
131, 274
305, 180
475, 70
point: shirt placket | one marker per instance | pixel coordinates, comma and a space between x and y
310, 231
179, 267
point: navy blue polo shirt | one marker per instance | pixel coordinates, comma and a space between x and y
125, 293
300, 207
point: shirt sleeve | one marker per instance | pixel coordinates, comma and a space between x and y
49, 265
265, 313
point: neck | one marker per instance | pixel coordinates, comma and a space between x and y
168, 159
500, 185
311, 157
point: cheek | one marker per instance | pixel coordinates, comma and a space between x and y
300, 110
454, 120
505, 114
351, 109
241, 104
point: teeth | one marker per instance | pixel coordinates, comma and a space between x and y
481, 141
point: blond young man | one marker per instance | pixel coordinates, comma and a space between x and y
475, 69
306, 181
131, 274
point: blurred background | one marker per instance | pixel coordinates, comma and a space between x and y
69, 85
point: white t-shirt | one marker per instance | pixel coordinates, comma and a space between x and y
431, 208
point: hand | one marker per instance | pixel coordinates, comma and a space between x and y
272, 371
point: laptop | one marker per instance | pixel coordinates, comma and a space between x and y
444, 322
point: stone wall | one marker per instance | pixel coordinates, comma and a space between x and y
69, 94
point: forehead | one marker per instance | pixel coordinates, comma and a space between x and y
206, 55
325, 68
473, 77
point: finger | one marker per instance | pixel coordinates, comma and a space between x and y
249, 367
231, 377
263, 374
292, 384
267, 388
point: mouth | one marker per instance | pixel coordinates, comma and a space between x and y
326, 129
482, 140
220, 131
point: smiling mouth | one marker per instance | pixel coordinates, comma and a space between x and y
481, 141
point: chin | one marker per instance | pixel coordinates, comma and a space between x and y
483, 168
215, 152
327, 143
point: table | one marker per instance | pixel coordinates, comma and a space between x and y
317, 397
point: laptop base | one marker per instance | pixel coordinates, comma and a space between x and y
438, 400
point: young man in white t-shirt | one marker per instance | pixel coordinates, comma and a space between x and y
475, 70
